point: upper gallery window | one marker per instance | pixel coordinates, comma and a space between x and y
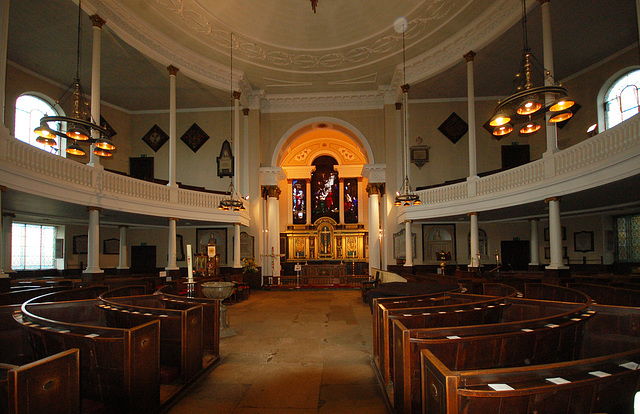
621, 100
29, 110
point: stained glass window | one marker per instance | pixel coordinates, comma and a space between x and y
350, 200
299, 194
622, 100
628, 240
32, 246
29, 110
324, 189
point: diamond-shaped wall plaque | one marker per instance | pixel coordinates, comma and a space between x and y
155, 138
454, 128
195, 137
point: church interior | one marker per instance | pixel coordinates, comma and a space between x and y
418, 173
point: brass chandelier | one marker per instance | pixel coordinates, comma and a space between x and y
80, 127
524, 108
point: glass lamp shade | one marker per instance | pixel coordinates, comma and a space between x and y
530, 128
105, 144
45, 132
102, 153
561, 116
529, 106
562, 104
499, 120
75, 149
502, 130
78, 133
46, 141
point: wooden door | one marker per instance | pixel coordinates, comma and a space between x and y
141, 168
514, 156
143, 259
515, 254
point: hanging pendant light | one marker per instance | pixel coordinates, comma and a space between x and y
46, 141
560, 116
75, 149
530, 127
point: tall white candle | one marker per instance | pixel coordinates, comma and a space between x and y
189, 264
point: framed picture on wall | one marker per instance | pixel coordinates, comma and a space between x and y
583, 241
111, 246
80, 244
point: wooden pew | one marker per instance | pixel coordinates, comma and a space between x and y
181, 332
609, 295
49, 385
542, 344
210, 318
600, 384
120, 368
19, 296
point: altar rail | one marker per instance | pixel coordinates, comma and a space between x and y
344, 280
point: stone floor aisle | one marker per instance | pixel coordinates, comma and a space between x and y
294, 352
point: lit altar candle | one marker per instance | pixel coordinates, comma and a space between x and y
189, 264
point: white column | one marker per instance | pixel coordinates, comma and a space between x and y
7, 224
173, 72
265, 238
171, 244
93, 246
4, 37
236, 246
273, 237
98, 22
547, 48
245, 153
533, 244
408, 245
341, 198
473, 169
474, 261
374, 226
555, 234
236, 140
123, 259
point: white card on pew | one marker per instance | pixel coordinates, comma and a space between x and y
558, 380
453, 337
93, 335
576, 319
526, 330
500, 387
551, 325
599, 374
630, 365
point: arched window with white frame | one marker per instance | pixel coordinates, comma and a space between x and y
622, 100
29, 110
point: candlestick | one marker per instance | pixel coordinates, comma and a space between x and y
189, 264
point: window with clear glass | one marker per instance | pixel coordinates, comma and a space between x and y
628, 238
621, 101
33, 247
29, 110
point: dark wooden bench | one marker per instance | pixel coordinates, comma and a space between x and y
49, 385
181, 332
23, 294
609, 295
120, 369
603, 384
551, 342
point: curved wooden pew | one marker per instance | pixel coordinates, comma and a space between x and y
609, 295
181, 332
602, 384
120, 368
50, 385
210, 317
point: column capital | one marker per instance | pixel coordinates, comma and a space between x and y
3, 189
97, 21
272, 191
245, 111
546, 200
473, 213
469, 56
174, 219
91, 208
173, 71
375, 189
237, 95
405, 88
398, 106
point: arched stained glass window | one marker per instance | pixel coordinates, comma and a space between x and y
622, 99
29, 110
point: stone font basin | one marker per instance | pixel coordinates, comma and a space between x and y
217, 290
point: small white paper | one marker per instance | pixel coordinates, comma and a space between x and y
490, 306
599, 374
459, 310
164, 316
630, 365
585, 314
406, 314
93, 335
591, 311
453, 337
477, 308
442, 312
501, 387
551, 325
65, 331
558, 380
526, 330
427, 313
576, 319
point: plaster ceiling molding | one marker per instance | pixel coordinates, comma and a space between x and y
309, 146
370, 78
271, 175
313, 102
498, 17
375, 173
161, 48
299, 171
